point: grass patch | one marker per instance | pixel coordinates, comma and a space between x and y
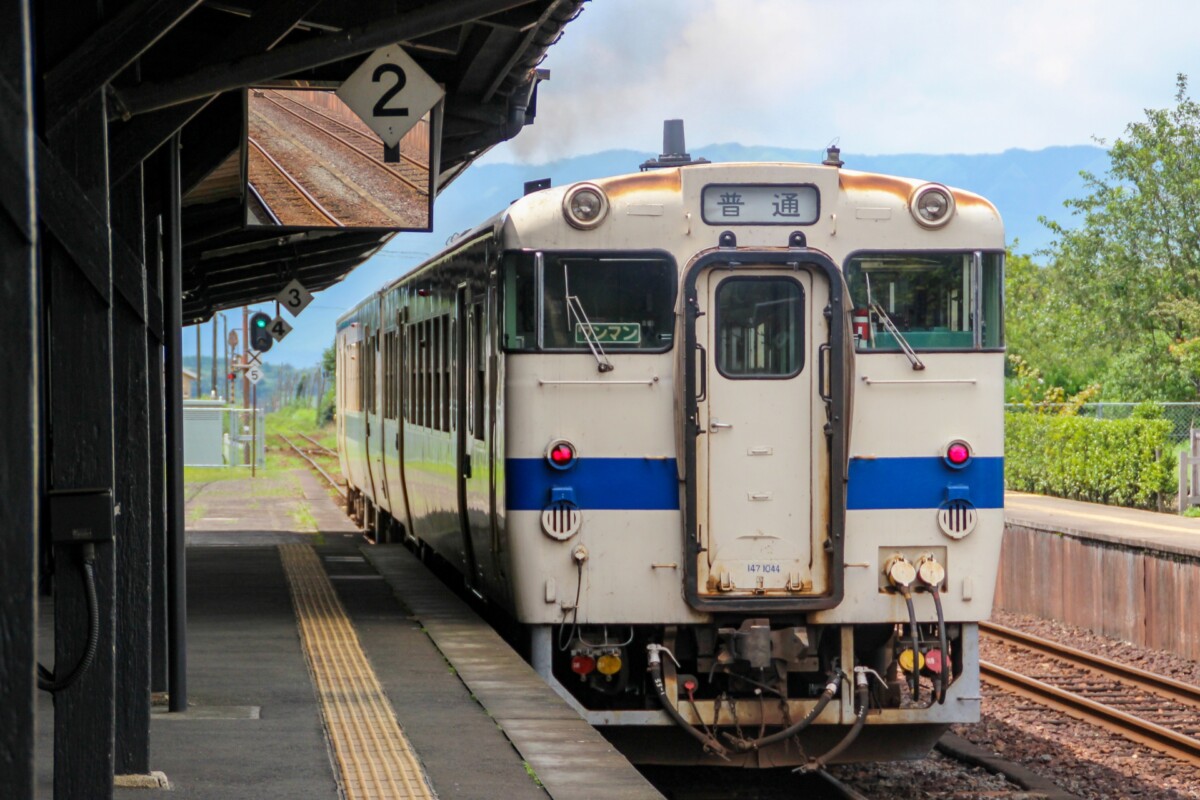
209, 474
196, 513
533, 775
305, 521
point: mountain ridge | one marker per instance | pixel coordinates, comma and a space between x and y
1023, 184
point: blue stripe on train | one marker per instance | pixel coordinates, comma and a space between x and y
881, 483
608, 484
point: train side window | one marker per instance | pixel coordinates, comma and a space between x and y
937, 300
478, 391
427, 351
629, 299
760, 327
446, 345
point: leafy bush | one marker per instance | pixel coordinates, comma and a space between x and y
1097, 460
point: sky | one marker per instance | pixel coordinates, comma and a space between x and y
877, 77
972, 76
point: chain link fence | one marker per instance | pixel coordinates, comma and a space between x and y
1183, 416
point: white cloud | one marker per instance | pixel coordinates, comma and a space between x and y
884, 77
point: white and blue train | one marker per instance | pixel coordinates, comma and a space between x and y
727, 439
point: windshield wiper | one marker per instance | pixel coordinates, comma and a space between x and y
575, 310
891, 328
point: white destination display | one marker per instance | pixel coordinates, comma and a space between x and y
760, 204
295, 298
390, 92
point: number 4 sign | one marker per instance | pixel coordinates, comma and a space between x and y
279, 328
295, 298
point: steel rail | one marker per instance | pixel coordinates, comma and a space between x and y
1174, 744
283, 95
314, 464
316, 444
374, 162
1180, 692
316, 205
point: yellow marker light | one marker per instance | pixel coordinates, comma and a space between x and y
608, 664
906, 661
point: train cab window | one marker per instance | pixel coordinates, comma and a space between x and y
628, 300
936, 301
760, 327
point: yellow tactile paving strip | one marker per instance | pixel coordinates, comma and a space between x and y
371, 752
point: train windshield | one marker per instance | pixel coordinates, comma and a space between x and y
936, 301
627, 300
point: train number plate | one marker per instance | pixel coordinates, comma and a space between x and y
763, 569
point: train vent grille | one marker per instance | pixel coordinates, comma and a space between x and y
561, 519
957, 518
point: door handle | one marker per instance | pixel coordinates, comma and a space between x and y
826, 393
716, 425
703, 373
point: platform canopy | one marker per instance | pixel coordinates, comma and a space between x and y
186, 66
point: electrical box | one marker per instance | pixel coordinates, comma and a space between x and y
81, 515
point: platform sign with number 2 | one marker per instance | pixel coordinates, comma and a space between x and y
295, 298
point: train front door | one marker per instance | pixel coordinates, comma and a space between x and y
762, 462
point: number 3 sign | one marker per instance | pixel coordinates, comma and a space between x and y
295, 298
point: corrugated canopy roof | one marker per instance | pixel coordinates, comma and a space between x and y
483, 52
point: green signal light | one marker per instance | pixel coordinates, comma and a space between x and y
262, 323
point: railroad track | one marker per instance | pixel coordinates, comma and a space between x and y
1149, 709
338, 487
375, 162
317, 445
298, 191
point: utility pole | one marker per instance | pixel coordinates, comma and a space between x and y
245, 350
225, 370
199, 374
213, 388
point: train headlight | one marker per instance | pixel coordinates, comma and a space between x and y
958, 454
585, 205
932, 205
561, 454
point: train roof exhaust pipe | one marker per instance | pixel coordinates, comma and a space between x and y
674, 152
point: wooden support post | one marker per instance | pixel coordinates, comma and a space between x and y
156, 186
80, 446
20, 425
173, 334
131, 380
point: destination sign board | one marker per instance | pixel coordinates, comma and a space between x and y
760, 204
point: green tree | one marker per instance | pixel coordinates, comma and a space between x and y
325, 409
1126, 280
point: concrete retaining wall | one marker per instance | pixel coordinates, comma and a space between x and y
1132, 593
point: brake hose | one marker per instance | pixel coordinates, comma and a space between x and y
914, 677
654, 667
944, 683
46, 679
862, 696
827, 695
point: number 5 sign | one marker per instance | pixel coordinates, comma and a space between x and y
295, 298
390, 92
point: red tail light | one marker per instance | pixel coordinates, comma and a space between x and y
561, 454
582, 665
958, 453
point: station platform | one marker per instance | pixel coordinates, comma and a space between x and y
1127, 527
314, 674
1125, 573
